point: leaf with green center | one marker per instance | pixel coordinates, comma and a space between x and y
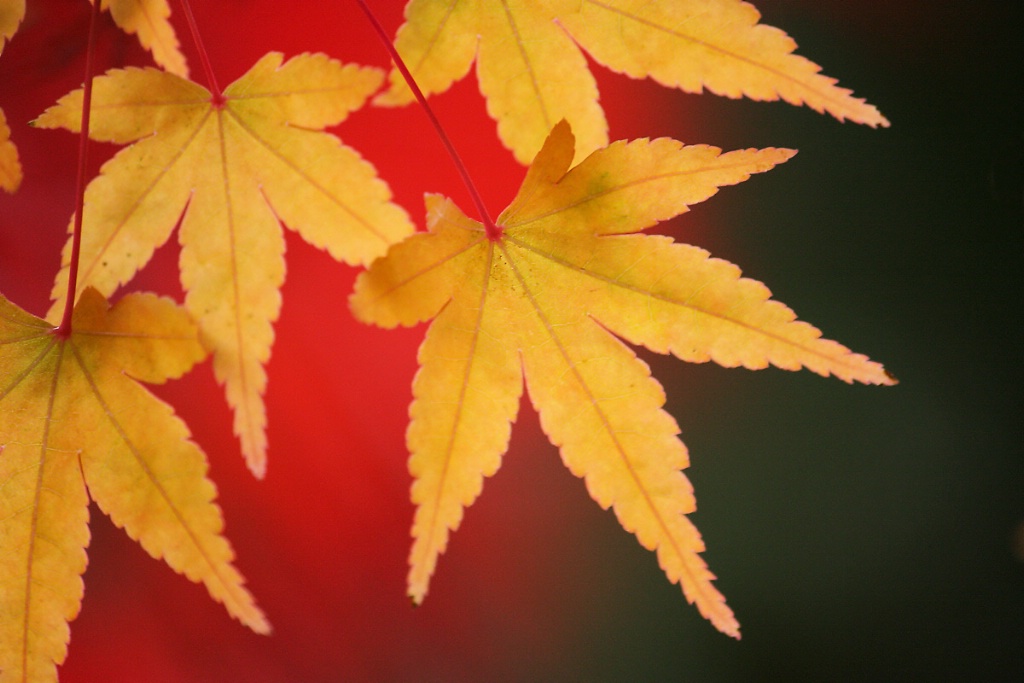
545, 303
74, 425
237, 171
533, 73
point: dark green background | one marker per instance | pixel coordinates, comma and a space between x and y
860, 533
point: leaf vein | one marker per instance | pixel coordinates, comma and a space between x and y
136, 204
453, 434
604, 420
724, 317
528, 64
825, 95
28, 369
306, 177
253, 431
623, 187
34, 523
424, 271
150, 475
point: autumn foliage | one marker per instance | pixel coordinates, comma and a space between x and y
274, 166
549, 295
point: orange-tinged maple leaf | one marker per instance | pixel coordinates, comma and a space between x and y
237, 171
75, 424
10, 166
533, 74
544, 301
149, 20
12, 12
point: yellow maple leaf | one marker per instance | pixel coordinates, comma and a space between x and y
533, 73
10, 166
149, 20
237, 171
12, 12
74, 425
543, 301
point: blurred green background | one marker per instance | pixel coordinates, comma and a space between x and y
860, 533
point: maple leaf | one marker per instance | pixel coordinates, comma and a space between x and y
532, 72
10, 167
146, 18
237, 171
543, 302
12, 12
149, 20
75, 424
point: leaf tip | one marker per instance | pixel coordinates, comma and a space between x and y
772, 157
416, 589
871, 372
261, 625
254, 449
871, 117
722, 618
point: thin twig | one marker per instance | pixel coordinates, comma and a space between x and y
493, 231
64, 329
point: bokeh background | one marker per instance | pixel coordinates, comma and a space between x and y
860, 533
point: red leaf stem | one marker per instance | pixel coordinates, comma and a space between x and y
211, 81
493, 230
64, 329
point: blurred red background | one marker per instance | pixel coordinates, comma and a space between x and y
323, 540
832, 535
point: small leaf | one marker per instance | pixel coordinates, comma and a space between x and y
237, 172
10, 166
12, 13
718, 45
533, 73
149, 20
545, 302
75, 424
